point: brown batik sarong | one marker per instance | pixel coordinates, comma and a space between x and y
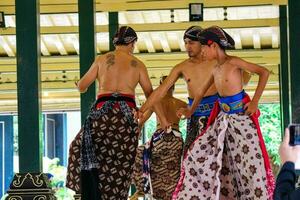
228, 162
165, 150
114, 138
198, 121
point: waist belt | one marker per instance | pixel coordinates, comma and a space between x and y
205, 106
115, 98
232, 104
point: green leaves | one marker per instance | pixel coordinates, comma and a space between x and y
271, 128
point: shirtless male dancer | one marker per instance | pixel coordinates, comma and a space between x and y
157, 164
102, 155
195, 71
229, 161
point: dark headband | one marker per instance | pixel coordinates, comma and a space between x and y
192, 33
124, 36
218, 35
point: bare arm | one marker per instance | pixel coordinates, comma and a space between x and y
246, 77
201, 92
89, 77
144, 81
146, 116
262, 72
162, 90
147, 88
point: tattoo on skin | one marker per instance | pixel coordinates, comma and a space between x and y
110, 60
134, 63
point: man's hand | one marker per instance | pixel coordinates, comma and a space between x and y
166, 126
251, 107
183, 113
138, 115
287, 152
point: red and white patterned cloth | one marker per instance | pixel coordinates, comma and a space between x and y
228, 161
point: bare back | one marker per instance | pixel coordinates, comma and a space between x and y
228, 79
118, 72
196, 74
170, 105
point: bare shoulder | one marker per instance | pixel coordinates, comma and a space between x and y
234, 60
183, 63
180, 66
108, 54
241, 63
136, 63
99, 58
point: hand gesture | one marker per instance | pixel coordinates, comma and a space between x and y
183, 113
138, 115
166, 126
287, 152
251, 108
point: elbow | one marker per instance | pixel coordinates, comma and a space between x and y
266, 73
80, 88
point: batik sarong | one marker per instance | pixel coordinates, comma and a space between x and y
157, 165
198, 120
110, 136
228, 161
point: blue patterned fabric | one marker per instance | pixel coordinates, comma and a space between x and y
205, 106
232, 104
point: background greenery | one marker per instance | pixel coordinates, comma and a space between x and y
271, 129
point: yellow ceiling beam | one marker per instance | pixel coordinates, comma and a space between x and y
70, 6
209, 3
245, 23
53, 30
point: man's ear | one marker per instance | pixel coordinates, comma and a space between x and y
215, 45
132, 44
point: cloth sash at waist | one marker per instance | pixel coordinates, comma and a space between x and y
102, 98
205, 106
232, 104
159, 134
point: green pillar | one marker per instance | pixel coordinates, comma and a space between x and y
29, 85
284, 69
87, 49
113, 26
294, 44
